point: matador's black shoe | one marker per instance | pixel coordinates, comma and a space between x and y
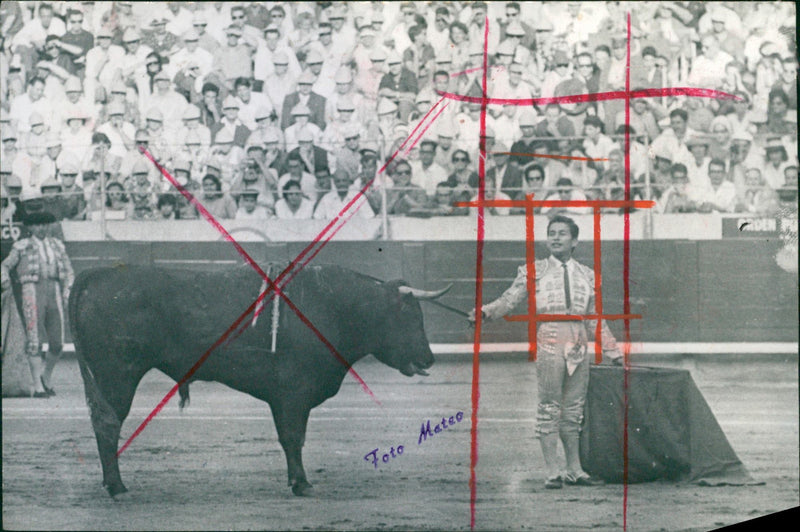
48, 390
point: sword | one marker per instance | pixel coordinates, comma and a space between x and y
448, 307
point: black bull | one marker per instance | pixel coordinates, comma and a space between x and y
128, 320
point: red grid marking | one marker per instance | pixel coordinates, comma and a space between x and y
528, 205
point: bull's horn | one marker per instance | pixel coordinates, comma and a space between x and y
425, 294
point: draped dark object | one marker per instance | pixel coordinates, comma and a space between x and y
672, 433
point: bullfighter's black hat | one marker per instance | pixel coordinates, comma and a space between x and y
39, 218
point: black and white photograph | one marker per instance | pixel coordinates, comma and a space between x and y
429, 265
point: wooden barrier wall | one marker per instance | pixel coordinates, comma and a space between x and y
686, 291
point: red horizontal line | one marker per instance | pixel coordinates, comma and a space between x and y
572, 317
596, 96
614, 204
545, 156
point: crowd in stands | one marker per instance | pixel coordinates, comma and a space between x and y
288, 109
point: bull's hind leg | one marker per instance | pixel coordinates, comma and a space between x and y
109, 397
290, 420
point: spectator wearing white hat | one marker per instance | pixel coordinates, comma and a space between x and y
399, 85
158, 38
231, 122
266, 126
76, 138
191, 123
33, 141
191, 53
313, 102
234, 58
324, 69
252, 178
17, 161
132, 64
250, 102
72, 195
314, 158
119, 132
367, 42
141, 139
281, 81
206, 40
52, 157
229, 155
527, 122
292, 134
274, 58
368, 80
160, 141
343, 32
345, 89
347, 153
341, 125
102, 61
170, 103
74, 101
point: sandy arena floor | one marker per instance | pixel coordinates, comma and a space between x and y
218, 464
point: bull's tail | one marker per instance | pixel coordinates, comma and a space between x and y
183, 392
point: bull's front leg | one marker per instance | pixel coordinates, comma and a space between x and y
291, 418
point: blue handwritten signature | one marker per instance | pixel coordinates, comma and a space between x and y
425, 432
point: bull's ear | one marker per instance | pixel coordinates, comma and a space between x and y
393, 287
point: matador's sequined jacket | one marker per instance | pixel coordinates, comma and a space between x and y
558, 338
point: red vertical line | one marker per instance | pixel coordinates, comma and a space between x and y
476, 349
530, 263
626, 244
598, 294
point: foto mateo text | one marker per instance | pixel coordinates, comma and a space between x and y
375, 457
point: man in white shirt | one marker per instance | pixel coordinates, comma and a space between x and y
426, 172
308, 183
332, 203
170, 103
191, 53
250, 102
708, 69
720, 195
102, 62
249, 209
29, 102
34, 33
